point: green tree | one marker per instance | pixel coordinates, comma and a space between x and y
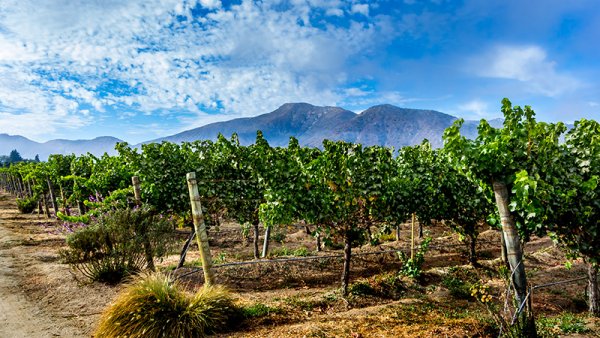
14, 156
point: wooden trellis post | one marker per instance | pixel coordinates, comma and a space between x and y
200, 228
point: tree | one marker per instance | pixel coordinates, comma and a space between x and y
14, 156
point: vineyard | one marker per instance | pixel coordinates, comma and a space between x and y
497, 235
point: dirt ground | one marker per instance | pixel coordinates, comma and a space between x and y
40, 297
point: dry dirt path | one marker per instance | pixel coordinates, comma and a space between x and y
23, 305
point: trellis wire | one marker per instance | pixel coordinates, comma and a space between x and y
300, 259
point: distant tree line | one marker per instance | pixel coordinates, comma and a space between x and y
15, 157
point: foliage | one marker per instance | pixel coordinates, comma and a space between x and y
411, 267
460, 282
285, 251
258, 310
565, 323
85, 219
388, 285
155, 307
27, 205
576, 195
112, 247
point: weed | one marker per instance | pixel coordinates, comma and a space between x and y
565, 323
457, 287
286, 252
388, 285
28, 204
258, 310
361, 288
306, 304
220, 258
278, 237
459, 282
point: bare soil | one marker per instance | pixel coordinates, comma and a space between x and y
41, 297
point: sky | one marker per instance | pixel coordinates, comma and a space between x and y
142, 69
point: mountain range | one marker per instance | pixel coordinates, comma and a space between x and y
28, 149
385, 125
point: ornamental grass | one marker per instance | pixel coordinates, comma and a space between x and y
153, 306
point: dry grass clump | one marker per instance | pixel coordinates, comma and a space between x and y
155, 307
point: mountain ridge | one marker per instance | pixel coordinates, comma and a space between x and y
29, 149
384, 124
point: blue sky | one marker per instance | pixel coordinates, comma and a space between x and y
141, 69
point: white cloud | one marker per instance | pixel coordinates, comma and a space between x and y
212, 4
475, 110
360, 9
59, 58
334, 12
529, 65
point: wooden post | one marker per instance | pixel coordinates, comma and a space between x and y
200, 229
265, 250
412, 237
137, 192
52, 197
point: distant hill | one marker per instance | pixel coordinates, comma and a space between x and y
386, 125
28, 148
301, 120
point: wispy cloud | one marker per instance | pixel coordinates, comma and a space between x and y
528, 65
474, 110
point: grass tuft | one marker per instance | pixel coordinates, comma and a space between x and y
154, 307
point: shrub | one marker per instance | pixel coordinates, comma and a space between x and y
155, 307
27, 205
118, 243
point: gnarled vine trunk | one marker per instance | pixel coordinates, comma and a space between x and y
514, 253
52, 197
593, 292
347, 257
255, 239
472, 251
